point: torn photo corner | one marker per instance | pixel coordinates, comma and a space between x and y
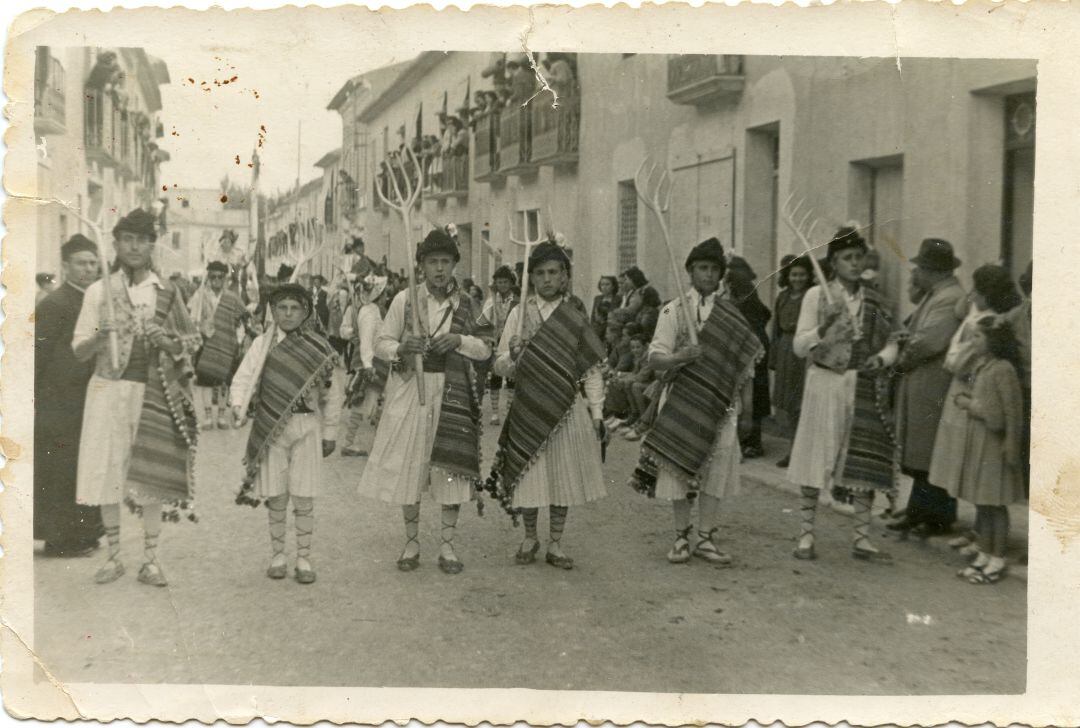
769, 442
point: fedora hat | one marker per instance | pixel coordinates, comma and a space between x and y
936, 254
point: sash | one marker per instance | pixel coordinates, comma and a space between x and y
217, 360
162, 465
560, 354
293, 369
701, 400
456, 449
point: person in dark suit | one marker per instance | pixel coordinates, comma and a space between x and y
322, 305
67, 528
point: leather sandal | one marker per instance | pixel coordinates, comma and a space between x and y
680, 550
527, 557
152, 575
277, 571
805, 553
110, 572
450, 566
304, 576
871, 555
707, 550
409, 563
559, 562
982, 576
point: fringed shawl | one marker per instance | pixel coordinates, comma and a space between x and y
701, 400
294, 368
556, 360
456, 449
218, 356
162, 465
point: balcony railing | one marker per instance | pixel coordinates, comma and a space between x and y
50, 105
449, 176
486, 147
704, 79
555, 129
100, 125
515, 139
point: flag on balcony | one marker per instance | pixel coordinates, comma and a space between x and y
420, 120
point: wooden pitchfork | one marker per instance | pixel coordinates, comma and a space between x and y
527, 246
405, 196
659, 202
804, 234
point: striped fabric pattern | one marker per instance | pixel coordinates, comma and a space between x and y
546, 380
163, 456
217, 360
701, 399
456, 449
294, 368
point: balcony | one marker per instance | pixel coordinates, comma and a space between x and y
486, 148
50, 106
99, 124
515, 140
449, 176
555, 130
702, 80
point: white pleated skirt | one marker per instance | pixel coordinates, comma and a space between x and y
722, 473
821, 441
568, 472
110, 423
398, 469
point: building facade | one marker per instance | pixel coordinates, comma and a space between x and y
943, 148
197, 218
96, 120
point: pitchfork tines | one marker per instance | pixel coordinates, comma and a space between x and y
407, 192
650, 195
791, 218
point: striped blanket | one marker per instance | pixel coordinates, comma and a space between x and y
297, 367
872, 447
162, 465
701, 399
456, 449
556, 360
218, 359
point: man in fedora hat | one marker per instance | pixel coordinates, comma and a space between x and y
919, 357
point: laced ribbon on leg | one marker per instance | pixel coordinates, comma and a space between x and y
275, 511
808, 501
448, 527
530, 516
304, 522
407, 561
862, 548
557, 523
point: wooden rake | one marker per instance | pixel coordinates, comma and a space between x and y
527, 246
405, 196
658, 200
790, 216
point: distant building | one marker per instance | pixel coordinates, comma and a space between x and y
197, 219
96, 119
294, 227
944, 149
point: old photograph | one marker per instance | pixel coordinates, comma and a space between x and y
513, 368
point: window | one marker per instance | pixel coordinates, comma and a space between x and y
1019, 189
532, 224
626, 252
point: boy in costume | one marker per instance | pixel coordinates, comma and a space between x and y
496, 309
219, 314
692, 450
287, 372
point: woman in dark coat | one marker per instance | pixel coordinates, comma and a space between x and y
790, 371
604, 303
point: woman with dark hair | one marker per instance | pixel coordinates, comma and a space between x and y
632, 286
796, 275
740, 281
992, 476
604, 302
649, 311
993, 293
844, 333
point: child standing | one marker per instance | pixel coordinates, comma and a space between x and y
287, 371
992, 474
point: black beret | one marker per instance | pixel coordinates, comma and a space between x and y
437, 241
139, 222
548, 251
77, 243
710, 249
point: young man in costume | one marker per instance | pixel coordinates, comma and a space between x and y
362, 325
692, 450
496, 309
288, 373
139, 429
60, 380
219, 315
844, 437
432, 448
549, 448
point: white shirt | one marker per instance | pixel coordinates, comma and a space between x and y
504, 366
665, 337
369, 323
439, 320
806, 332
247, 376
143, 297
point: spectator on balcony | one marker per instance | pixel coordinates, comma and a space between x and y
496, 69
505, 97
559, 75
522, 79
459, 146
492, 103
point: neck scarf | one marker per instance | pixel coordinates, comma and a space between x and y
701, 400
560, 354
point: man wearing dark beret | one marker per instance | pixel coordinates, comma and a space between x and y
692, 450
139, 428
432, 448
67, 528
496, 309
218, 313
549, 452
